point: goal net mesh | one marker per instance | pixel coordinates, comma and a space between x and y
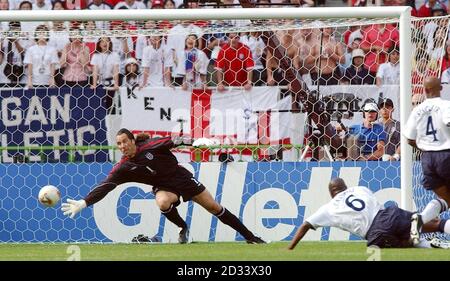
285, 99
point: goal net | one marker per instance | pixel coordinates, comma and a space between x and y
281, 101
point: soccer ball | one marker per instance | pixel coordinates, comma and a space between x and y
49, 195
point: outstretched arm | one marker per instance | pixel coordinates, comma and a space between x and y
299, 234
73, 207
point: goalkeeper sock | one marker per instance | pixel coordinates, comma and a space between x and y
433, 209
229, 219
172, 215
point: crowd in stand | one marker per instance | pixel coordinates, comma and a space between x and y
55, 54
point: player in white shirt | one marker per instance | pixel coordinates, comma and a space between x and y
356, 210
428, 129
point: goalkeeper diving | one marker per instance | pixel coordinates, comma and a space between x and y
150, 161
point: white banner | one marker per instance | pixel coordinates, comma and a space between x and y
234, 116
250, 116
156, 110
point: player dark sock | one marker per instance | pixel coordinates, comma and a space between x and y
442, 225
229, 219
172, 215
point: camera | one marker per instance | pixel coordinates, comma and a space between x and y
341, 105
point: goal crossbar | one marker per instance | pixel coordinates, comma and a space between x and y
205, 14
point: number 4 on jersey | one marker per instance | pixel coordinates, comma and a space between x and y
430, 128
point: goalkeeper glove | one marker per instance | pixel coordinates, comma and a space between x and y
73, 207
204, 142
177, 141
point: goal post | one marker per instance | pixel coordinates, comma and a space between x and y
406, 167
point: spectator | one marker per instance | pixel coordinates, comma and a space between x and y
421, 70
169, 4
105, 71
366, 141
255, 43
446, 58
357, 73
196, 65
100, 5
214, 43
58, 5
357, 3
330, 53
76, 4
175, 42
378, 39
112, 3
59, 36
426, 10
28, 27
142, 40
389, 72
130, 4
121, 44
351, 30
90, 38
392, 129
15, 4
4, 81
41, 5
156, 4
4, 6
156, 62
348, 56
234, 64
306, 40
411, 3
435, 32
445, 77
14, 52
275, 73
58, 39
74, 62
264, 3
303, 3
131, 78
41, 60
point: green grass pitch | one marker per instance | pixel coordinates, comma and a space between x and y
224, 251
